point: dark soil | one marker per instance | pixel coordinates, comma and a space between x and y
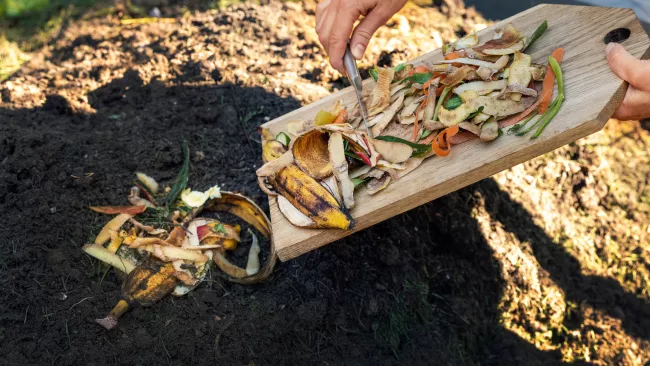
544, 263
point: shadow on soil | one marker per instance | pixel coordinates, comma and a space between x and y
418, 286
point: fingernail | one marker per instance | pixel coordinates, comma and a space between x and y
358, 50
610, 47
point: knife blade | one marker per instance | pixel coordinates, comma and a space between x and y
355, 79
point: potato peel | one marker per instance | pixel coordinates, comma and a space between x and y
340, 169
380, 98
392, 152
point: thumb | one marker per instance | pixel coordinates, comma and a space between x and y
627, 67
364, 32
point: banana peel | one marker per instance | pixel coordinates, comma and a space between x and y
227, 236
272, 150
112, 226
146, 284
247, 210
311, 154
311, 198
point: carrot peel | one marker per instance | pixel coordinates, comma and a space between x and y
440, 144
549, 82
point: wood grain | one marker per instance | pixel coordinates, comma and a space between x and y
592, 94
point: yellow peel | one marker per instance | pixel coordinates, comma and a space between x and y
112, 226
107, 257
148, 181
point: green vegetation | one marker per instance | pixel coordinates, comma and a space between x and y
412, 310
26, 25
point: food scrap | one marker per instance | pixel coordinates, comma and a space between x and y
163, 246
415, 112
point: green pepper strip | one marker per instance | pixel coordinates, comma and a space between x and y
521, 125
538, 33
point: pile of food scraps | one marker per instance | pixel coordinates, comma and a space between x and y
415, 112
162, 245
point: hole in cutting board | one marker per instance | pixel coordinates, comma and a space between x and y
617, 35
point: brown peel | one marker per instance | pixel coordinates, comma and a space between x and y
311, 154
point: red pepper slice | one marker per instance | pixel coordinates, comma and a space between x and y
363, 157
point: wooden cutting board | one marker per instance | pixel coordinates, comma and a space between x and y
592, 90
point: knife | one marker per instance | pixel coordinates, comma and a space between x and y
355, 79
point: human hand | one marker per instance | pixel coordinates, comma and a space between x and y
335, 19
636, 104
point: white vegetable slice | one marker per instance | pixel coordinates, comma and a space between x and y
376, 185
253, 265
295, 128
518, 89
519, 73
373, 173
383, 164
149, 182
409, 120
480, 118
107, 257
170, 253
292, 214
471, 61
410, 105
502, 108
376, 119
505, 51
340, 168
486, 73
393, 152
356, 173
468, 41
398, 95
332, 185
468, 126
489, 131
479, 86
389, 114
396, 88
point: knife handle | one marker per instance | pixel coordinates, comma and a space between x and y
350, 64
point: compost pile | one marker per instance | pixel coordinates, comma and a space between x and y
163, 245
545, 262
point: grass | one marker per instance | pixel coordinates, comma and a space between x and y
412, 310
27, 25
11, 58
